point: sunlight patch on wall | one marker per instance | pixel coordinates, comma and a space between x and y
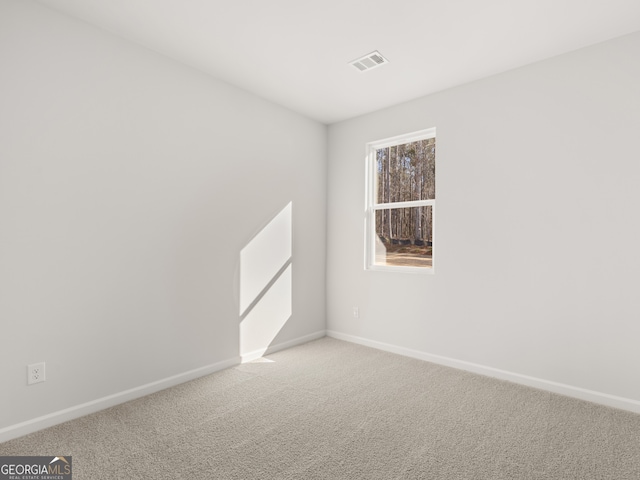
264, 256
266, 285
266, 318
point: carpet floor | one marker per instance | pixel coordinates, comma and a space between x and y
334, 410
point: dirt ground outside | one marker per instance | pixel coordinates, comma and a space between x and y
405, 256
403, 260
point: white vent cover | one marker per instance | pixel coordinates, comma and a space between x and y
369, 61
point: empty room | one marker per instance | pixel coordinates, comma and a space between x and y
319, 240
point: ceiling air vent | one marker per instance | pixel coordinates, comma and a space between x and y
369, 61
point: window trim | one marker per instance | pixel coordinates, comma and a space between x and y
371, 206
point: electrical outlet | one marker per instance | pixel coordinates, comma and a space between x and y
356, 312
35, 373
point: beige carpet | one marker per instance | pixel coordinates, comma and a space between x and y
333, 410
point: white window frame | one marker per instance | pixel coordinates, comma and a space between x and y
371, 206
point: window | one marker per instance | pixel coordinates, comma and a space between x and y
401, 202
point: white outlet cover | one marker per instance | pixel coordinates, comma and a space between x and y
35, 373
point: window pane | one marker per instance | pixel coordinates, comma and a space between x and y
406, 172
404, 237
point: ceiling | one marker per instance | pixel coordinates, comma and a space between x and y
296, 52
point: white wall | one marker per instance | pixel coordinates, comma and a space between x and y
129, 184
538, 227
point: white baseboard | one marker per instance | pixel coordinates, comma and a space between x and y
555, 387
45, 421
55, 418
248, 357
